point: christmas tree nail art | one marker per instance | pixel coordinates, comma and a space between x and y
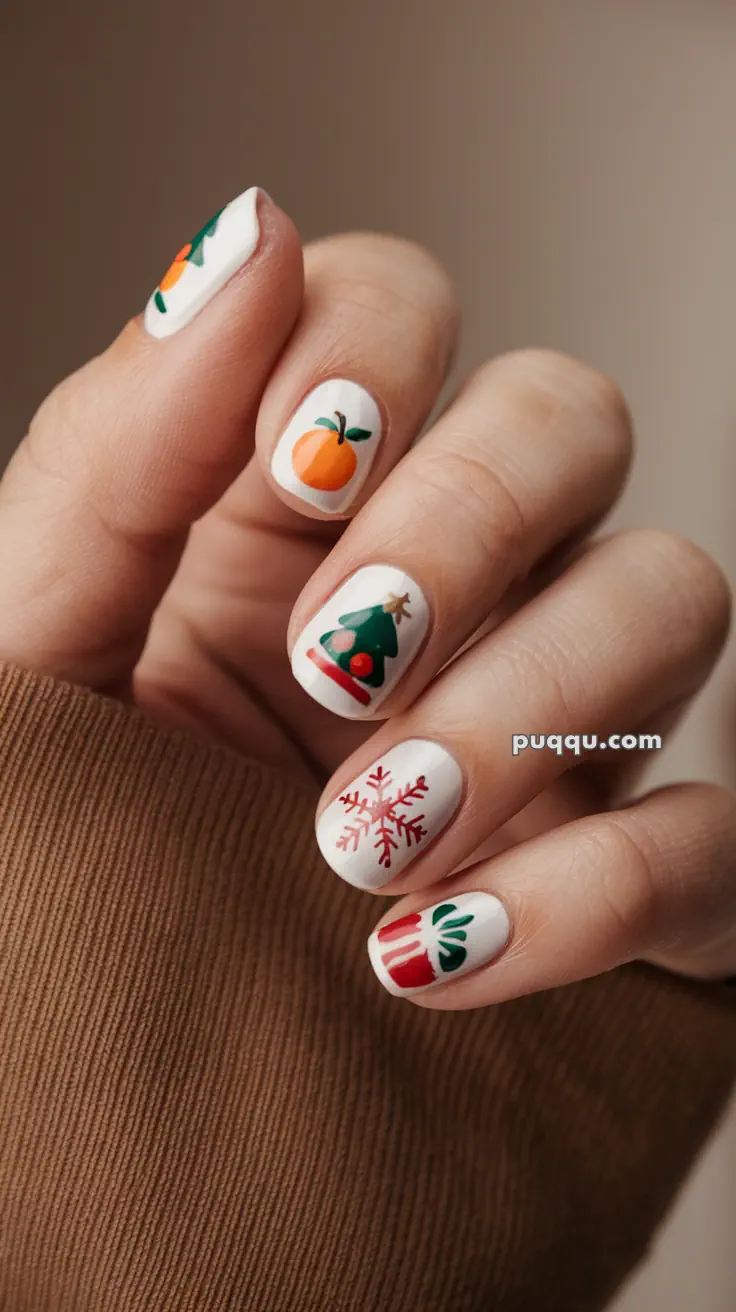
390, 813
436, 945
358, 650
204, 265
325, 454
354, 650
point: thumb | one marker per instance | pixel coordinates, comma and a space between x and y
124, 455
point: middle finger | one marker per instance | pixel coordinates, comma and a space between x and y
535, 448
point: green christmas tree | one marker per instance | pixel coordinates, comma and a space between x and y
366, 638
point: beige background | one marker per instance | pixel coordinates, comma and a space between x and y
572, 162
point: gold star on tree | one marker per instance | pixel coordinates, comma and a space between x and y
395, 606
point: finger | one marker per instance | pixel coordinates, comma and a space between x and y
636, 624
651, 881
378, 325
122, 457
536, 446
361, 372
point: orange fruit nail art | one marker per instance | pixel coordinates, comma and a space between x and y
323, 458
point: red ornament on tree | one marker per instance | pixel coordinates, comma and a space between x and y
373, 632
361, 664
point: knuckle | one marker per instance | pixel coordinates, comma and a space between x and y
71, 469
371, 254
542, 664
487, 505
410, 324
546, 385
627, 884
54, 446
692, 577
382, 273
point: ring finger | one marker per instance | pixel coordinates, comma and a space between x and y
634, 626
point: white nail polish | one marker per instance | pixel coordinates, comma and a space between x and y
204, 265
325, 453
390, 813
356, 648
440, 943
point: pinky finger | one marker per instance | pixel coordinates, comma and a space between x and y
653, 881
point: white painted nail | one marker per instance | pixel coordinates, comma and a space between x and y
437, 945
356, 647
204, 265
325, 453
390, 813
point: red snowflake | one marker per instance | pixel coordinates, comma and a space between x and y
384, 814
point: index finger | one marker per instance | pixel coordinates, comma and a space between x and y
124, 455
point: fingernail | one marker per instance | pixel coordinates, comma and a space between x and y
204, 265
326, 451
437, 945
356, 648
390, 813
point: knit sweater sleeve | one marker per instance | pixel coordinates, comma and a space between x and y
207, 1102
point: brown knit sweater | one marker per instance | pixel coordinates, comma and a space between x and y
207, 1101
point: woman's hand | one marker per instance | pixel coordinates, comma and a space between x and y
179, 503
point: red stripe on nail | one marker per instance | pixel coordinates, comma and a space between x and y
399, 927
415, 973
339, 676
400, 952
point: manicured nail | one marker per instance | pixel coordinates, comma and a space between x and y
204, 265
390, 813
326, 451
359, 644
439, 944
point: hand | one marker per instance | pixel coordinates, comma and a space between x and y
179, 504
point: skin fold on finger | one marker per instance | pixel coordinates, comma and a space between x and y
651, 881
636, 624
98, 500
533, 447
360, 374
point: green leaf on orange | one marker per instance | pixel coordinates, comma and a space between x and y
327, 423
196, 254
358, 434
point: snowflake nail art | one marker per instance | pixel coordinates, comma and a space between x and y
390, 813
436, 945
384, 813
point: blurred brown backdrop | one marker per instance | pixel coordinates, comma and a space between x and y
572, 163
